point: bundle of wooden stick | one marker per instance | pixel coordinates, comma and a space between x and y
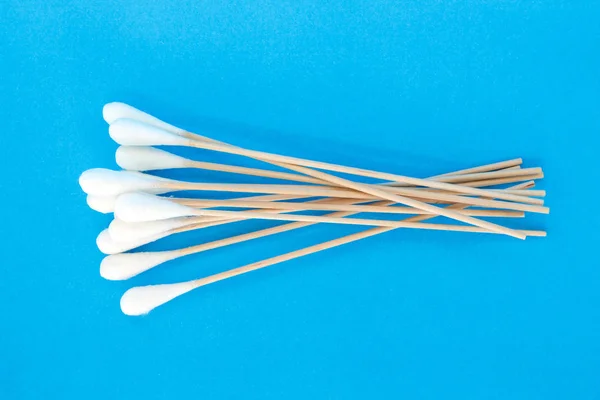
142, 216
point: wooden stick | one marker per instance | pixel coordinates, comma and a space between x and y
114, 269
284, 161
504, 173
234, 203
502, 181
314, 249
484, 168
489, 175
277, 159
528, 192
301, 164
205, 222
252, 171
307, 218
318, 191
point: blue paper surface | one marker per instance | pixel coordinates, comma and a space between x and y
412, 87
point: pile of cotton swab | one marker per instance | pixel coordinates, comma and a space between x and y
142, 216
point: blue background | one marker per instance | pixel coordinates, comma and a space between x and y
415, 87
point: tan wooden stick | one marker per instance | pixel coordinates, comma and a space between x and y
284, 161
311, 218
528, 192
301, 164
205, 222
253, 172
504, 173
502, 181
337, 207
318, 191
513, 170
514, 163
309, 250
372, 190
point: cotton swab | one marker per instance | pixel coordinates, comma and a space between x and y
117, 110
106, 183
102, 204
143, 299
135, 133
141, 207
105, 204
338, 207
122, 231
130, 132
125, 266
107, 245
144, 158
411, 194
242, 237
114, 111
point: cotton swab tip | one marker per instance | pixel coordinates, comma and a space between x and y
114, 111
143, 158
107, 245
118, 267
126, 231
102, 204
106, 182
141, 207
141, 300
129, 132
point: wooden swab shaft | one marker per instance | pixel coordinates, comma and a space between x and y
205, 222
409, 199
252, 171
306, 251
291, 226
284, 161
214, 221
487, 167
337, 207
300, 166
452, 178
311, 218
458, 179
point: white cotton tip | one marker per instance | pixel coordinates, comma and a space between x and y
143, 158
102, 204
114, 111
143, 299
141, 207
118, 267
106, 182
122, 231
129, 132
107, 245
